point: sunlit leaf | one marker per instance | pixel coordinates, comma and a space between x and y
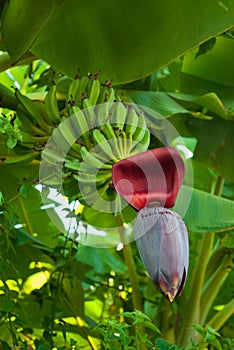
214, 151
20, 31
206, 212
126, 40
215, 64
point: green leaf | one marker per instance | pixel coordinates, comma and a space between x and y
205, 47
20, 31
32, 215
210, 101
150, 325
214, 65
102, 260
11, 141
215, 151
228, 240
5, 346
159, 102
14, 175
127, 40
165, 345
206, 212
1, 198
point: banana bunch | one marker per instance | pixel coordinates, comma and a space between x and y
110, 132
92, 123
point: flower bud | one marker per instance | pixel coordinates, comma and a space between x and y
162, 241
152, 176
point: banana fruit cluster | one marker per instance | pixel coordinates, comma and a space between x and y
109, 130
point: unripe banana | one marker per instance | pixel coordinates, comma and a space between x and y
131, 122
103, 144
89, 113
28, 124
29, 138
80, 124
81, 90
22, 159
51, 105
141, 128
103, 113
36, 110
119, 114
142, 146
95, 91
93, 161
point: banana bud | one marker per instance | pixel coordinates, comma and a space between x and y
154, 176
162, 241
150, 182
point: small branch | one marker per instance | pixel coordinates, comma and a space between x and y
222, 316
193, 307
217, 280
6, 62
167, 331
219, 186
80, 324
136, 295
25, 216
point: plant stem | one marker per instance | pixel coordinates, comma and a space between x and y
127, 251
219, 186
6, 62
136, 294
193, 307
167, 312
25, 216
192, 316
215, 283
80, 324
222, 316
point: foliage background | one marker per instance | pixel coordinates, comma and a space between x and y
176, 59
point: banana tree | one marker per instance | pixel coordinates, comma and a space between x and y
117, 80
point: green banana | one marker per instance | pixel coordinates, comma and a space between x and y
92, 197
27, 124
80, 124
91, 160
89, 113
51, 105
103, 94
119, 114
103, 113
95, 91
24, 158
131, 122
29, 138
73, 91
63, 84
111, 95
106, 94
115, 140
102, 144
81, 90
145, 141
98, 178
142, 145
53, 156
141, 128
36, 109
75, 150
73, 164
